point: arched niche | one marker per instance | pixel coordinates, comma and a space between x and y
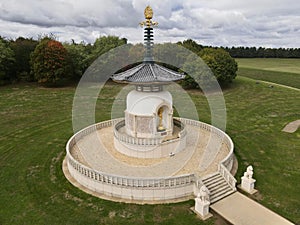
164, 119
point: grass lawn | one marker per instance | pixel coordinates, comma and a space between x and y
288, 79
281, 71
35, 125
276, 64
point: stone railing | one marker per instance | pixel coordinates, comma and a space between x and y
182, 180
86, 131
125, 138
83, 173
217, 132
178, 123
226, 164
198, 184
227, 176
159, 183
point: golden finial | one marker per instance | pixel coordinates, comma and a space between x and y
148, 16
148, 13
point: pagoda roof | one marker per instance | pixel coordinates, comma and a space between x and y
147, 73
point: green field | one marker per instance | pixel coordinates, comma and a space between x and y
36, 124
277, 65
282, 71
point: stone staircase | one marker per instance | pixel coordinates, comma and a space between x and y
218, 187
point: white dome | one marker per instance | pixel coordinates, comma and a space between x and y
147, 103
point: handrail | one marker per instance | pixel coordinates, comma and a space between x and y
159, 182
225, 163
227, 176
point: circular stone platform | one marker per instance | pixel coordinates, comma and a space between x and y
93, 162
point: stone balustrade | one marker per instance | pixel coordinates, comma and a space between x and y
126, 139
136, 188
182, 180
226, 164
227, 176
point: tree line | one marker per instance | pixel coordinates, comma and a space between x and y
253, 52
51, 62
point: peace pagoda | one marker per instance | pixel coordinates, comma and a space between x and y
149, 112
150, 156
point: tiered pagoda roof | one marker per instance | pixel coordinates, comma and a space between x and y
148, 71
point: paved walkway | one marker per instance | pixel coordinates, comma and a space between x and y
292, 126
241, 210
280, 85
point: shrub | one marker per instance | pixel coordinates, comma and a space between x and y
220, 63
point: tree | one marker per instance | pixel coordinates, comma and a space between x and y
215, 62
49, 62
136, 52
103, 45
223, 66
22, 48
171, 54
198, 74
77, 58
191, 45
7, 61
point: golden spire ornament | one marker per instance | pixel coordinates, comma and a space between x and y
148, 16
148, 12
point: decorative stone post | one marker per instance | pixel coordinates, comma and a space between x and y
202, 203
247, 181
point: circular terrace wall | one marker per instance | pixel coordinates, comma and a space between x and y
140, 189
150, 147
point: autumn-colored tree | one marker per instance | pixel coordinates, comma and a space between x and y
49, 62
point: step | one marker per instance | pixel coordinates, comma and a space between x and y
219, 197
218, 188
211, 177
207, 181
216, 183
221, 192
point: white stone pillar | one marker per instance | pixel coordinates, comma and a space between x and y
202, 203
248, 184
202, 207
247, 181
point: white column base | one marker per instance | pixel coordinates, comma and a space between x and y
248, 185
202, 208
